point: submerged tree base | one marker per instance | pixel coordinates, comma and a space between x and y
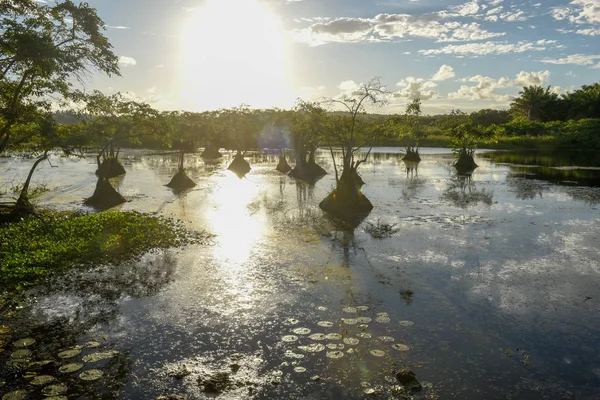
110, 168
211, 153
283, 165
239, 166
309, 172
412, 156
465, 164
105, 196
181, 181
348, 204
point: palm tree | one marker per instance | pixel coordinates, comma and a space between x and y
584, 102
534, 103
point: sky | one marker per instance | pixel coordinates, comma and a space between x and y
207, 54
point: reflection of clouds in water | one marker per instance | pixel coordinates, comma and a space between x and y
557, 280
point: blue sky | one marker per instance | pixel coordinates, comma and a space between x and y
207, 54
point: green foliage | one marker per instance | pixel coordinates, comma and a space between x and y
33, 247
43, 47
534, 103
409, 126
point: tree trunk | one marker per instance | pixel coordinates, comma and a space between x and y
23, 204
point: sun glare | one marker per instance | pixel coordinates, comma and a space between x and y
234, 52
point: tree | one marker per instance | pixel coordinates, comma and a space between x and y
584, 102
112, 120
308, 126
535, 103
347, 201
409, 126
43, 50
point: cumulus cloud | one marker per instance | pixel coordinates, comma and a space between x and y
579, 12
393, 27
127, 61
480, 49
445, 72
485, 87
577, 59
415, 88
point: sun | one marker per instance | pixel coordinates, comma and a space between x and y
234, 52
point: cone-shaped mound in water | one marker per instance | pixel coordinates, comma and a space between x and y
105, 196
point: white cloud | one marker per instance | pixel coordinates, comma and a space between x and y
393, 27
117, 27
415, 88
577, 59
479, 49
579, 12
127, 61
445, 72
486, 87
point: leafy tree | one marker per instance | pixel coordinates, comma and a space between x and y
584, 102
112, 120
487, 117
535, 103
347, 200
409, 126
308, 125
43, 50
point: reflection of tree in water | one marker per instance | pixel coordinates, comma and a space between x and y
525, 189
589, 195
70, 306
412, 183
462, 192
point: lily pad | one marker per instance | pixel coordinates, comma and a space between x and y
18, 362
291, 354
322, 308
312, 348
406, 323
377, 353
333, 336
16, 395
365, 335
289, 338
100, 356
325, 324
400, 347
385, 338
349, 310
68, 368
349, 321
291, 321
21, 354
55, 390
42, 380
363, 320
92, 344
334, 354
5, 329
299, 369
69, 353
301, 331
382, 319
317, 336
24, 342
351, 341
362, 308
91, 375
335, 346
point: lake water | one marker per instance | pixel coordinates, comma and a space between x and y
488, 290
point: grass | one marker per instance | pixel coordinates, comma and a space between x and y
36, 247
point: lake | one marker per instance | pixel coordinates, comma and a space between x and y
487, 290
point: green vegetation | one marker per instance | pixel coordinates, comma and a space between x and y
35, 247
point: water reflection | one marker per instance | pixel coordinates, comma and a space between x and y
232, 219
462, 192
